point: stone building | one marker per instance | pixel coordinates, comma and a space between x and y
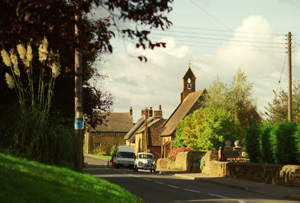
190, 101
145, 134
111, 132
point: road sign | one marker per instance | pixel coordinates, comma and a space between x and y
79, 125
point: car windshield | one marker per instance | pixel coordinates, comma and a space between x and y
126, 154
145, 156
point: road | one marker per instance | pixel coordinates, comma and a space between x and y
156, 188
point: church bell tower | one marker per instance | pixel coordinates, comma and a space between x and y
189, 83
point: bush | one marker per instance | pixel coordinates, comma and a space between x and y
206, 129
178, 140
264, 143
297, 143
37, 136
252, 143
113, 150
283, 143
274, 143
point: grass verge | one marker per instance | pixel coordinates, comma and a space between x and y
29, 181
100, 156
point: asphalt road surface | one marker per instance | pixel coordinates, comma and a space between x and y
156, 188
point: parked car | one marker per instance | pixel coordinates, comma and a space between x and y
145, 160
124, 157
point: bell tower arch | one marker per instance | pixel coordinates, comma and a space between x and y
189, 83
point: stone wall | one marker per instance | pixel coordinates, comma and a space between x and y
266, 173
185, 161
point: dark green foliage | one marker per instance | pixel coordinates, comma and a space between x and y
297, 143
252, 143
283, 143
206, 129
274, 143
34, 135
178, 141
265, 145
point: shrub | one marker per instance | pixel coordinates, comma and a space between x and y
297, 143
264, 143
36, 136
252, 143
178, 140
113, 150
283, 143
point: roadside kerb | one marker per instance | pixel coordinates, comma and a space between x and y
261, 188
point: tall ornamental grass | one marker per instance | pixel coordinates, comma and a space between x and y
32, 129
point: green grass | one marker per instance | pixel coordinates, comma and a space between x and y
29, 181
99, 156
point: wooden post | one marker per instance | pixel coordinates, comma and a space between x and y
290, 116
78, 125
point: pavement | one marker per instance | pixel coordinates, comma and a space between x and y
278, 191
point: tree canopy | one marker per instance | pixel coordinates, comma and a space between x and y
227, 111
29, 21
277, 109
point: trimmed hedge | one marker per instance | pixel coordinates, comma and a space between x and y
252, 141
274, 143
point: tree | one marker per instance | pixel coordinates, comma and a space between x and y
208, 129
277, 110
236, 98
31, 20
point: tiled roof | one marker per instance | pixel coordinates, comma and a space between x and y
115, 122
150, 122
182, 110
134, 128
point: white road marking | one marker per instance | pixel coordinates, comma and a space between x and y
173, 186
217, 195
158, 182
189, 190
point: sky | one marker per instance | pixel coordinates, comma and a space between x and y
217, 38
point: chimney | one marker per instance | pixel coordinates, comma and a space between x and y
158, 113
145, 113
130, 111
150, 112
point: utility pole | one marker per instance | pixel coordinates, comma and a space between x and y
290, 76
78, 123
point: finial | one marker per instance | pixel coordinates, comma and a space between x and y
190, 63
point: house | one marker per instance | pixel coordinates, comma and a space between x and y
111, 132
190, 101
145, 134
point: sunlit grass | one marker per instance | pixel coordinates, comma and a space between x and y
100, 156
28, 181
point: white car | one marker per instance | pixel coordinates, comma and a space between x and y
124, 157
145, 160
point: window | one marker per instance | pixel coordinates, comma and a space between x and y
189, 84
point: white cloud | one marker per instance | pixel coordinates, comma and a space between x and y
159, 81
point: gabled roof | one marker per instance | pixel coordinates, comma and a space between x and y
134, 128
182, 110
115, 122
189, 73
150, 123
